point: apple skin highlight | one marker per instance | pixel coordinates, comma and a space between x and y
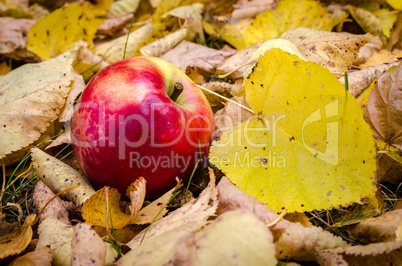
126, 126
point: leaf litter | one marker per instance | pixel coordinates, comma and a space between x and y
189, 234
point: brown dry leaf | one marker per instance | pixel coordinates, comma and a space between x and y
232, 31
234, 238
87, 63
64, 138
385, 253
161, 249
31, 97
249, 9
192, 15
59, 176
165, 44
57, 236
238, 59
113, 51
398, 232
298, 217
381, 57
335, 51
77, 87
360, 80
300, 243
57, 208
196, 211
384, 108
231, 198
231, 115
111, 27
222, 88
378, 229
136, 193
87, 247
41, 257
149, 212
14, 36
389, 166
395, 40
188, 54
15, 238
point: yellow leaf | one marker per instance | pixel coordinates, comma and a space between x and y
31, 97
368, 22
388, 19
309, 147
15, 238
192, 15
58, 31
94, 209
288, 15
397, 4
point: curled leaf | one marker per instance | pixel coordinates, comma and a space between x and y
15, 238
384, 108
59, 176
196, 211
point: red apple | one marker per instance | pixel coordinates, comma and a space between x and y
128, 124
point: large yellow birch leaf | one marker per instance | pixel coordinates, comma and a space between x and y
58, 31
309, 146
31, 97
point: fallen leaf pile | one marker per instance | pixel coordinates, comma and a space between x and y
305, 164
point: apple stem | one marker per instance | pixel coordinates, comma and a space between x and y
227, 99
178, 89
